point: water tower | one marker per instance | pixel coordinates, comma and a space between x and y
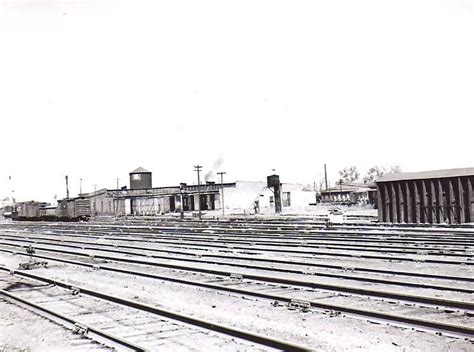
140, 179
273, 181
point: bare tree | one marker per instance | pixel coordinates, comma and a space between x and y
376, 172
349, 174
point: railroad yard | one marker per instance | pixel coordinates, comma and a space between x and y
239, 283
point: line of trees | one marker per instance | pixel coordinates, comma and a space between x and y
351, 173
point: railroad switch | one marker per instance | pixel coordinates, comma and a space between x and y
31, 264
236, 276
333, 313
295, 304
80, 329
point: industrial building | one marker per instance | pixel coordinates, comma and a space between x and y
441, 196
247, 195
144, 199
350, 194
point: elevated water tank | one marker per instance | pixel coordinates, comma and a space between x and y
140, 179
273, 181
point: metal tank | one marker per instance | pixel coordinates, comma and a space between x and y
140, 179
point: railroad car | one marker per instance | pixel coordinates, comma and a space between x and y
47, 213
27, 211
75, 209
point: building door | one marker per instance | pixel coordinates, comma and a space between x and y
185, 203
204, 205
128, 206
172, 204
212, 199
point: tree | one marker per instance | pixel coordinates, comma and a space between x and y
376, 172
349, 174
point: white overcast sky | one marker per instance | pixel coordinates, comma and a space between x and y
94, 89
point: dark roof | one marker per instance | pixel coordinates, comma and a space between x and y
140, 170
468, 171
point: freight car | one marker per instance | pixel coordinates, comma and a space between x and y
73, 209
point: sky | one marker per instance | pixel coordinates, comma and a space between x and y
95, 89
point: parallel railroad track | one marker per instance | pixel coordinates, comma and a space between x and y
377, 316
270, 279
126, 310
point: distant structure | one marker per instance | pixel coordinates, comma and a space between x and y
141, 199
350, 194
441, 196
140, 179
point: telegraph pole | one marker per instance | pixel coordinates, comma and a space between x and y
13, 193
325, 177
222, 189
95, 200
67, 188
198, 169
116, 208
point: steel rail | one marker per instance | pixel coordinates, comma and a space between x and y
311, 243
35, 240
294, 282
321, 253
70, 323
247, 266
294, 241
369, 226
209, 325
400, 238
180, 226
319, 265
392, 318
273, 232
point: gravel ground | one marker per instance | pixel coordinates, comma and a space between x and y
23, 330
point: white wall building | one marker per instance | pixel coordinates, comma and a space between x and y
243, 196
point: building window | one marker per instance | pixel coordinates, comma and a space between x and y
272, 200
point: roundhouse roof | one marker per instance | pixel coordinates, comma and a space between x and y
446, 173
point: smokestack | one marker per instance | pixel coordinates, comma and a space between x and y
67, 188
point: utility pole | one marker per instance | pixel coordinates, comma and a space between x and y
67, 188
117, 198
13, 193
325, 177
222, 190
198, 169
95, 200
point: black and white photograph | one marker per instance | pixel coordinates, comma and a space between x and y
265, 175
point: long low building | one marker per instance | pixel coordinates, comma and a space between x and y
441, 196
155, 200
